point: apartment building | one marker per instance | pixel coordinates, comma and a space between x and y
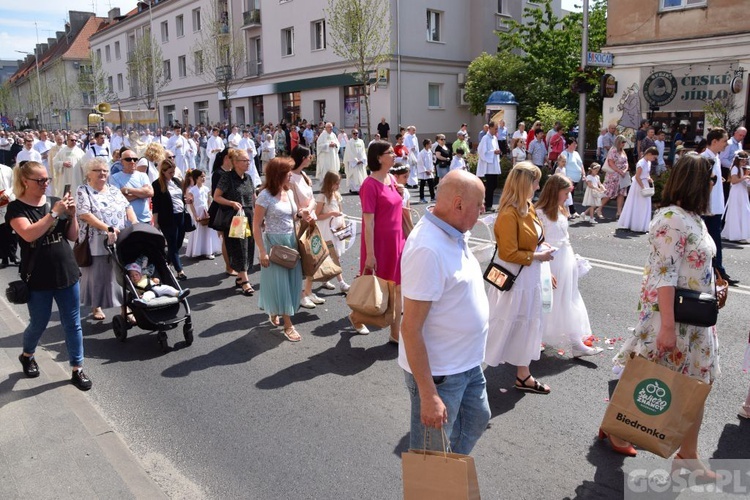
671, 57
55, 99
289, 71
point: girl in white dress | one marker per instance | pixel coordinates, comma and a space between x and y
636, 214
561, 162
592, 198
737, 213
566, 325
329, 210
204, 242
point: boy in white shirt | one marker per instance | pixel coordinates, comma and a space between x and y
458, 162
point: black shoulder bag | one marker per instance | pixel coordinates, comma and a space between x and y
498, 276
699, 308
17, 292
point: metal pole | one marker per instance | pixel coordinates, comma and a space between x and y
582, 96
398, 65
153, 59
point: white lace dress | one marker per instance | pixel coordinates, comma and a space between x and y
636, 214
204, 241
568, 321
737, 214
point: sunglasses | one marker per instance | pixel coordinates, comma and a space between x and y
43, 181
170, 157
100, 171
129, 159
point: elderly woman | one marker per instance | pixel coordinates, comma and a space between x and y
306, 206
275, 212
383, 234
680, 257
153, 156
45, 226
516, 315
267, 152
617, 163
103, 211
235, 189
169, 212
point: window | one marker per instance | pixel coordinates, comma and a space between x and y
99, 55
164, 32
290, 106
502, 8
434, 29
680, 4
197, 19
120, 83
201, 111
110, 84
180, 25
88, 98
198, 62
167, 70
318, 29
182, 66
287, 42
117, 50
107, 53
433, 95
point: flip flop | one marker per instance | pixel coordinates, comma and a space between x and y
292, 335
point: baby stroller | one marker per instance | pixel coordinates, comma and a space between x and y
160, 314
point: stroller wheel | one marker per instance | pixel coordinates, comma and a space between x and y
187, 331
163, 343
120, 327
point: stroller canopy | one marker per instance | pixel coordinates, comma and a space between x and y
140, 239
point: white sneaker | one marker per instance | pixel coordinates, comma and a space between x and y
329, 286
210, 256
344, 286
585, 218
315, 299
307, 303
361, 329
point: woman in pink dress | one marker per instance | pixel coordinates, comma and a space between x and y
383, 236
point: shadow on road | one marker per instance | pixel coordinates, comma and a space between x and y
343, 360
734, 441
8, 393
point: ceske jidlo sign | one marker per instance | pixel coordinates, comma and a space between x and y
687, 88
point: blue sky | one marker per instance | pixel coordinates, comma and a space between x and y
17, 19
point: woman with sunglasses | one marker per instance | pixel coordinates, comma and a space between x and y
45, 225
103, 211
169, 212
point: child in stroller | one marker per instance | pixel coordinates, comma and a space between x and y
149, 288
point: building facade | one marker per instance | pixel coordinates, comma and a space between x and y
45, 91
289, 71
673, 57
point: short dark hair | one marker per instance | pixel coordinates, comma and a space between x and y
374, 152
689, 184
715, 135
298, 154
459, 151
98, 135
538, 131
399, 136
426, 143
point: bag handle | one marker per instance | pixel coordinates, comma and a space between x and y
446, 443
32, 259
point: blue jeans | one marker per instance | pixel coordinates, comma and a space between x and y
40, 309
175, 235
713, 224
465, 397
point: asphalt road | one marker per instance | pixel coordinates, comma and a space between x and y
242, 413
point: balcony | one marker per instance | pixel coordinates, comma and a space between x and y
251, 19
254, 68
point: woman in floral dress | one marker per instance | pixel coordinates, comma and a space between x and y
617, 161
681, 252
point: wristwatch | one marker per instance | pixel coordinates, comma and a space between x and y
54, 214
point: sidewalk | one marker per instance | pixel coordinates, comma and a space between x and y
53, 442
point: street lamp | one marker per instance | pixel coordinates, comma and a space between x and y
38, 79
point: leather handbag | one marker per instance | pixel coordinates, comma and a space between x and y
342, 233
220, 217
283, 256
498, 276
82, 250
700, 308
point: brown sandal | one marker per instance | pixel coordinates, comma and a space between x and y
292, 335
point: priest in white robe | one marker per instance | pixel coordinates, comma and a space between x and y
328, 153
68, 166
355, 162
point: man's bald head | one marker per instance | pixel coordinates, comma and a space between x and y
460, 199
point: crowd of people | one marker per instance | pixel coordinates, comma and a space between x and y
89, 188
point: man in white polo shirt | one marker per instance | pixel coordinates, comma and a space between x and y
442, 357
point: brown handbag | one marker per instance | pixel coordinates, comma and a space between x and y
283, 256
82, 251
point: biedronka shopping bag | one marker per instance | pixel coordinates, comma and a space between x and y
439, 475
312, 249
653, 407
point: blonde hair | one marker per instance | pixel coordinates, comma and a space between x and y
155, 153
21, 172
518, 185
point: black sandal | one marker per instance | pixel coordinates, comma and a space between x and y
247, 292
238, 283
537, 388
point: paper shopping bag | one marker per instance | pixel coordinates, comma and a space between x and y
330, 267
238, 228
312, 250
653, 407
368, 295
436, 475
379, 320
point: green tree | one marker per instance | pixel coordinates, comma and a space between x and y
222, 56
359, 31
92, 80
146, 71
548, 115
724, 112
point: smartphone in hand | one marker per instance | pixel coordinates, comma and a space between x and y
66, 190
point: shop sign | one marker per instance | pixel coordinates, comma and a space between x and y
687, 88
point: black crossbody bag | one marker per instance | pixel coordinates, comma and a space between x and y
17, 292
696, 308
500, 277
